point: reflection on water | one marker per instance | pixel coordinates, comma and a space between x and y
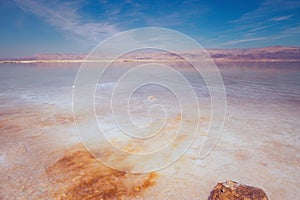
38, 83
51, 83
40, 150
263, 82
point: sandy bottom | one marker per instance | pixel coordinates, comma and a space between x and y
42, 158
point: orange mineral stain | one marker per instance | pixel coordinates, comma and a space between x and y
78, 175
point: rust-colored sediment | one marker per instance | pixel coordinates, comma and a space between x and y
78, 175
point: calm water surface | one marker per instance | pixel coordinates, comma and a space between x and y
259, 145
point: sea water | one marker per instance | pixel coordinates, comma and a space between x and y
259, 144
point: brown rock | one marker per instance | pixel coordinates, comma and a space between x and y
231, 190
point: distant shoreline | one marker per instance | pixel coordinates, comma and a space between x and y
267, 54
133, 60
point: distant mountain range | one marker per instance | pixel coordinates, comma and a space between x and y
267, 54
276, 53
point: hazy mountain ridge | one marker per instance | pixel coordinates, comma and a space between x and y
275, 53
267, 53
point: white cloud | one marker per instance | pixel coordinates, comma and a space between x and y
281, 18
259, 28
267, 9
292, 30
258, 24
268, 14
64, 16
242, 41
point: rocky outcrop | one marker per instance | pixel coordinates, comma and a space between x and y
231, 190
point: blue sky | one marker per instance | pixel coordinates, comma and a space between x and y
37, 26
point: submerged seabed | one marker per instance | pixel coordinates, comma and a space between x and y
42, 157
